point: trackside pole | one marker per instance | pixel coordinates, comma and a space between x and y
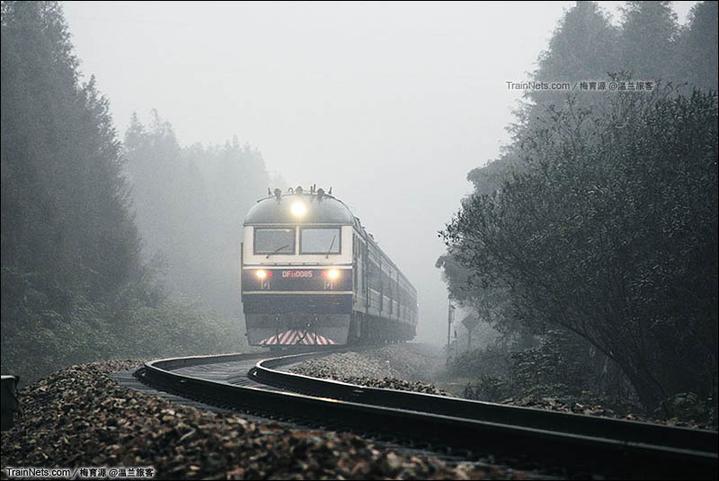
450, 319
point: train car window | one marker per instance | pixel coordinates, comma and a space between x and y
320, 240
374, 276
274, 240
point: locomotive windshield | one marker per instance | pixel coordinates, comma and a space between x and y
322, 240
274, 241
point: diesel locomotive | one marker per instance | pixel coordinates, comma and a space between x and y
312, 275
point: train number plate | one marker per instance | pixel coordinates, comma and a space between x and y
297, 274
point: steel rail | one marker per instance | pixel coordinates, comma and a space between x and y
527, 434
682, 438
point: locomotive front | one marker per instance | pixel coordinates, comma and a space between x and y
297, 270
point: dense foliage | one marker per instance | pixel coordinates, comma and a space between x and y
600, 218
75, 286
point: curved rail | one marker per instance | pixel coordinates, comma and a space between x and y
619, 448
630, 432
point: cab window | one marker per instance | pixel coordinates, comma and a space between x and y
274, 240
320, 240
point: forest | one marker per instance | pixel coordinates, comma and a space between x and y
450, 269
109, 241
590, 244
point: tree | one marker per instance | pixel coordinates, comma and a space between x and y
648, 35
583, 47
649, 45
697, 47
74, 287
610, 231
64, 199
190, 202
69, 245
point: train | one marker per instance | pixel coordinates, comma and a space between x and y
311, 275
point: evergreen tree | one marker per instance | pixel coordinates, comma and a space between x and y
649, 45
583, 47
190, 203
648, 40
697, 47
69, 245
64, 200
74, 288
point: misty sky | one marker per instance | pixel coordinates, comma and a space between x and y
390, 103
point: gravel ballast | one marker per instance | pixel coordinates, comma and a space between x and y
408, 367
80, 417
397, 367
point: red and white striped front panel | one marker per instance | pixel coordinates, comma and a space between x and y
295, 337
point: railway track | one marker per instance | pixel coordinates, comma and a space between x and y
253, 383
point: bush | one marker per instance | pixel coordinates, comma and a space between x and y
490, 361
488, 388
558, 366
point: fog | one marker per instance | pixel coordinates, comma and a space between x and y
390, 104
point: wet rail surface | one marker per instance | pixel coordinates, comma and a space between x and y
252, 383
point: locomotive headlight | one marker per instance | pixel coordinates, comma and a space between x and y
333, 274
261, 274
298, 208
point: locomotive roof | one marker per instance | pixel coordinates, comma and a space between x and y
323, 209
